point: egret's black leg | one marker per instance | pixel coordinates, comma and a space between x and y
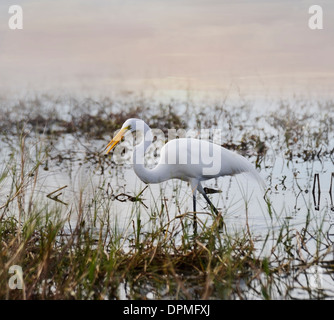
214, 209
195, 217
194, 187
210, 203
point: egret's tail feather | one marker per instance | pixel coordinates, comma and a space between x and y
244, 166
258, 178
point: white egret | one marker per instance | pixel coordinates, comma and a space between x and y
188, 159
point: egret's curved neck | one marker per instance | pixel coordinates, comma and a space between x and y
147, 175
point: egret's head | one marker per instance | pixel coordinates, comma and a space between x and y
129, 125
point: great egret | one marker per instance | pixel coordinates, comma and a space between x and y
188, 159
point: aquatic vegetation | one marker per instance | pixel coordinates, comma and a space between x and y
82, 227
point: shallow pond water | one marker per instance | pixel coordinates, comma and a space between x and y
298, 144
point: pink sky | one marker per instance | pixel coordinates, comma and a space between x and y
171, 44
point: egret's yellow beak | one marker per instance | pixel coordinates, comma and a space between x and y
116, 139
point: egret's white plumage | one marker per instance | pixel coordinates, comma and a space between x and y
188, 159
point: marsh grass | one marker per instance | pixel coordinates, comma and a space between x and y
76, 246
